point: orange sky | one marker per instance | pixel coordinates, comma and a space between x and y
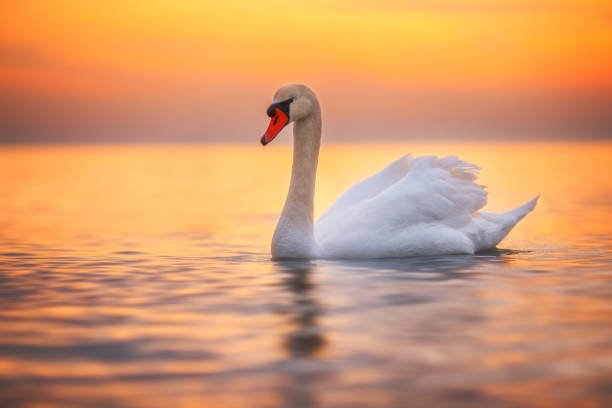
187, 68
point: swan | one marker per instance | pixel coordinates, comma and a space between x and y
414, 206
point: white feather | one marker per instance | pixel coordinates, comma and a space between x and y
414, 206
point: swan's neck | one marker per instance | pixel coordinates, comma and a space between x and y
294, 234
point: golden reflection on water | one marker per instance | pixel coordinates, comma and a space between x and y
140, 276
63, 194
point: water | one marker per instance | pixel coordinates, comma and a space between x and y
139, 276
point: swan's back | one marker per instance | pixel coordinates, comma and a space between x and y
414, 206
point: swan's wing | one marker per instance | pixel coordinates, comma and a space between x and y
370, 187
433, 199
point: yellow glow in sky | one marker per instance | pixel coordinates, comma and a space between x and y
430, 43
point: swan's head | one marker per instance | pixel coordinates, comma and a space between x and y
291, 103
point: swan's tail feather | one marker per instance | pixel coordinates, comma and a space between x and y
518, 213
488, 229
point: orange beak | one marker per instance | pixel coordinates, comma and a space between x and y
277, 122
279, 117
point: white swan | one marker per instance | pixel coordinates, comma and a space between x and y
414, 206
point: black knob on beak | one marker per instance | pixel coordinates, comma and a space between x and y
271, 110
282, 105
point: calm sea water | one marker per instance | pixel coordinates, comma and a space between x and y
139, 276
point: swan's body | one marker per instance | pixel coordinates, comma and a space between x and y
414, 206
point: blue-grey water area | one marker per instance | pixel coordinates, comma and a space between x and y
140, 276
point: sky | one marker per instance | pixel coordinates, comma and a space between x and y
200, 71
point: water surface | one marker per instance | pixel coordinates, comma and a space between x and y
139, 276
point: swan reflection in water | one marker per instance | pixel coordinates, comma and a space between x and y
305, 340
311, 361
